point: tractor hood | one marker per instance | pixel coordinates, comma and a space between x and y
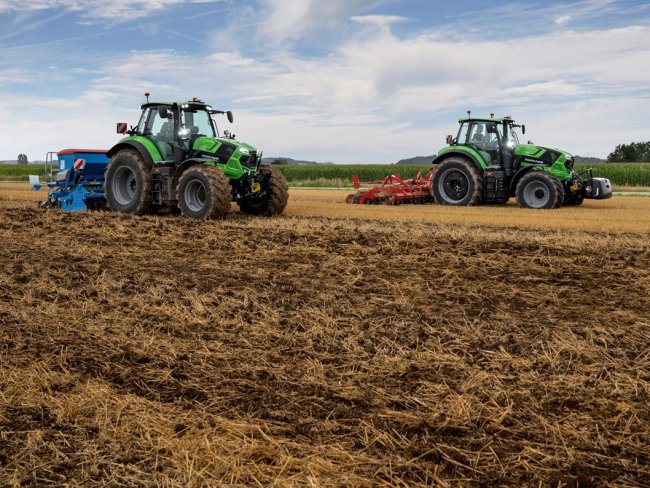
224, 150
541, 155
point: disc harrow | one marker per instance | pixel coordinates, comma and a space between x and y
393, 190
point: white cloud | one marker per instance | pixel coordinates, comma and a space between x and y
562, 19
546, 89
382, 21
295, 19
118, 10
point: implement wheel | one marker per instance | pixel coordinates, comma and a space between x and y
128, 183
457, 182
204, 193
539, 189
274, 201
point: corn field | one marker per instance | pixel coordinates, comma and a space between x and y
631, 174
621, 174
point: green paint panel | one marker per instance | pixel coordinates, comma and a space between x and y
466, 150
207, 144
151, 147
529, 150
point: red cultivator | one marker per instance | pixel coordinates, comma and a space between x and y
393, 190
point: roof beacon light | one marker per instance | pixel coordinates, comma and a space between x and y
491, 115
146, 94
469, 113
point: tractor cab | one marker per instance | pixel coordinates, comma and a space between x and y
173, 128
494, 140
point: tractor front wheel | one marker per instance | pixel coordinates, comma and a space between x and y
204, 193
274, 201
539, 189
128, 183
457, 181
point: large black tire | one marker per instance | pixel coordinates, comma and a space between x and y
457, 181
204, 192
540, 190
128, 184
274, 202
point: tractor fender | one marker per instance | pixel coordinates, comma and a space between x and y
462, 154
518, 175
133, 145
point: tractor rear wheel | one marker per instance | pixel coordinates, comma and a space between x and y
539, 189
274, 202
128, 183
457, 181
204, 192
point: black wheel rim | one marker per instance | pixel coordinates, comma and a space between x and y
454, 185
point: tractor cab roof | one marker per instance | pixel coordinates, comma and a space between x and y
498, 120
196, 104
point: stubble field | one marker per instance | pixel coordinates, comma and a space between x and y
325, 349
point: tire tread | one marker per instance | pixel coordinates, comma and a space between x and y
219, 191
145, 199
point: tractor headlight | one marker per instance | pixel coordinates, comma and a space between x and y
244, 151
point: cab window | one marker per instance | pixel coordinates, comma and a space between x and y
197, 122
462, 134
478, 134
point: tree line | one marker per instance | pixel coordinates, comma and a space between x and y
634, 152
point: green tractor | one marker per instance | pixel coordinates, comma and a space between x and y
175, 159
485, 163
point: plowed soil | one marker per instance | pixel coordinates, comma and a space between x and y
295, 351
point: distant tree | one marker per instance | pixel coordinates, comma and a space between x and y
633, 152
280, 162
22, 159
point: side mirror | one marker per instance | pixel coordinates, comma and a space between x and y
163, 112
121, 128
491, 128
450, 139
230, 117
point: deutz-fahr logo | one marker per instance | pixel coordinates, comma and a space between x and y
536, 161
209, 156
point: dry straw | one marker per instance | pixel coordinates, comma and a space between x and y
141, 351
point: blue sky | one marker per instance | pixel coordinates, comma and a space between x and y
338, 80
